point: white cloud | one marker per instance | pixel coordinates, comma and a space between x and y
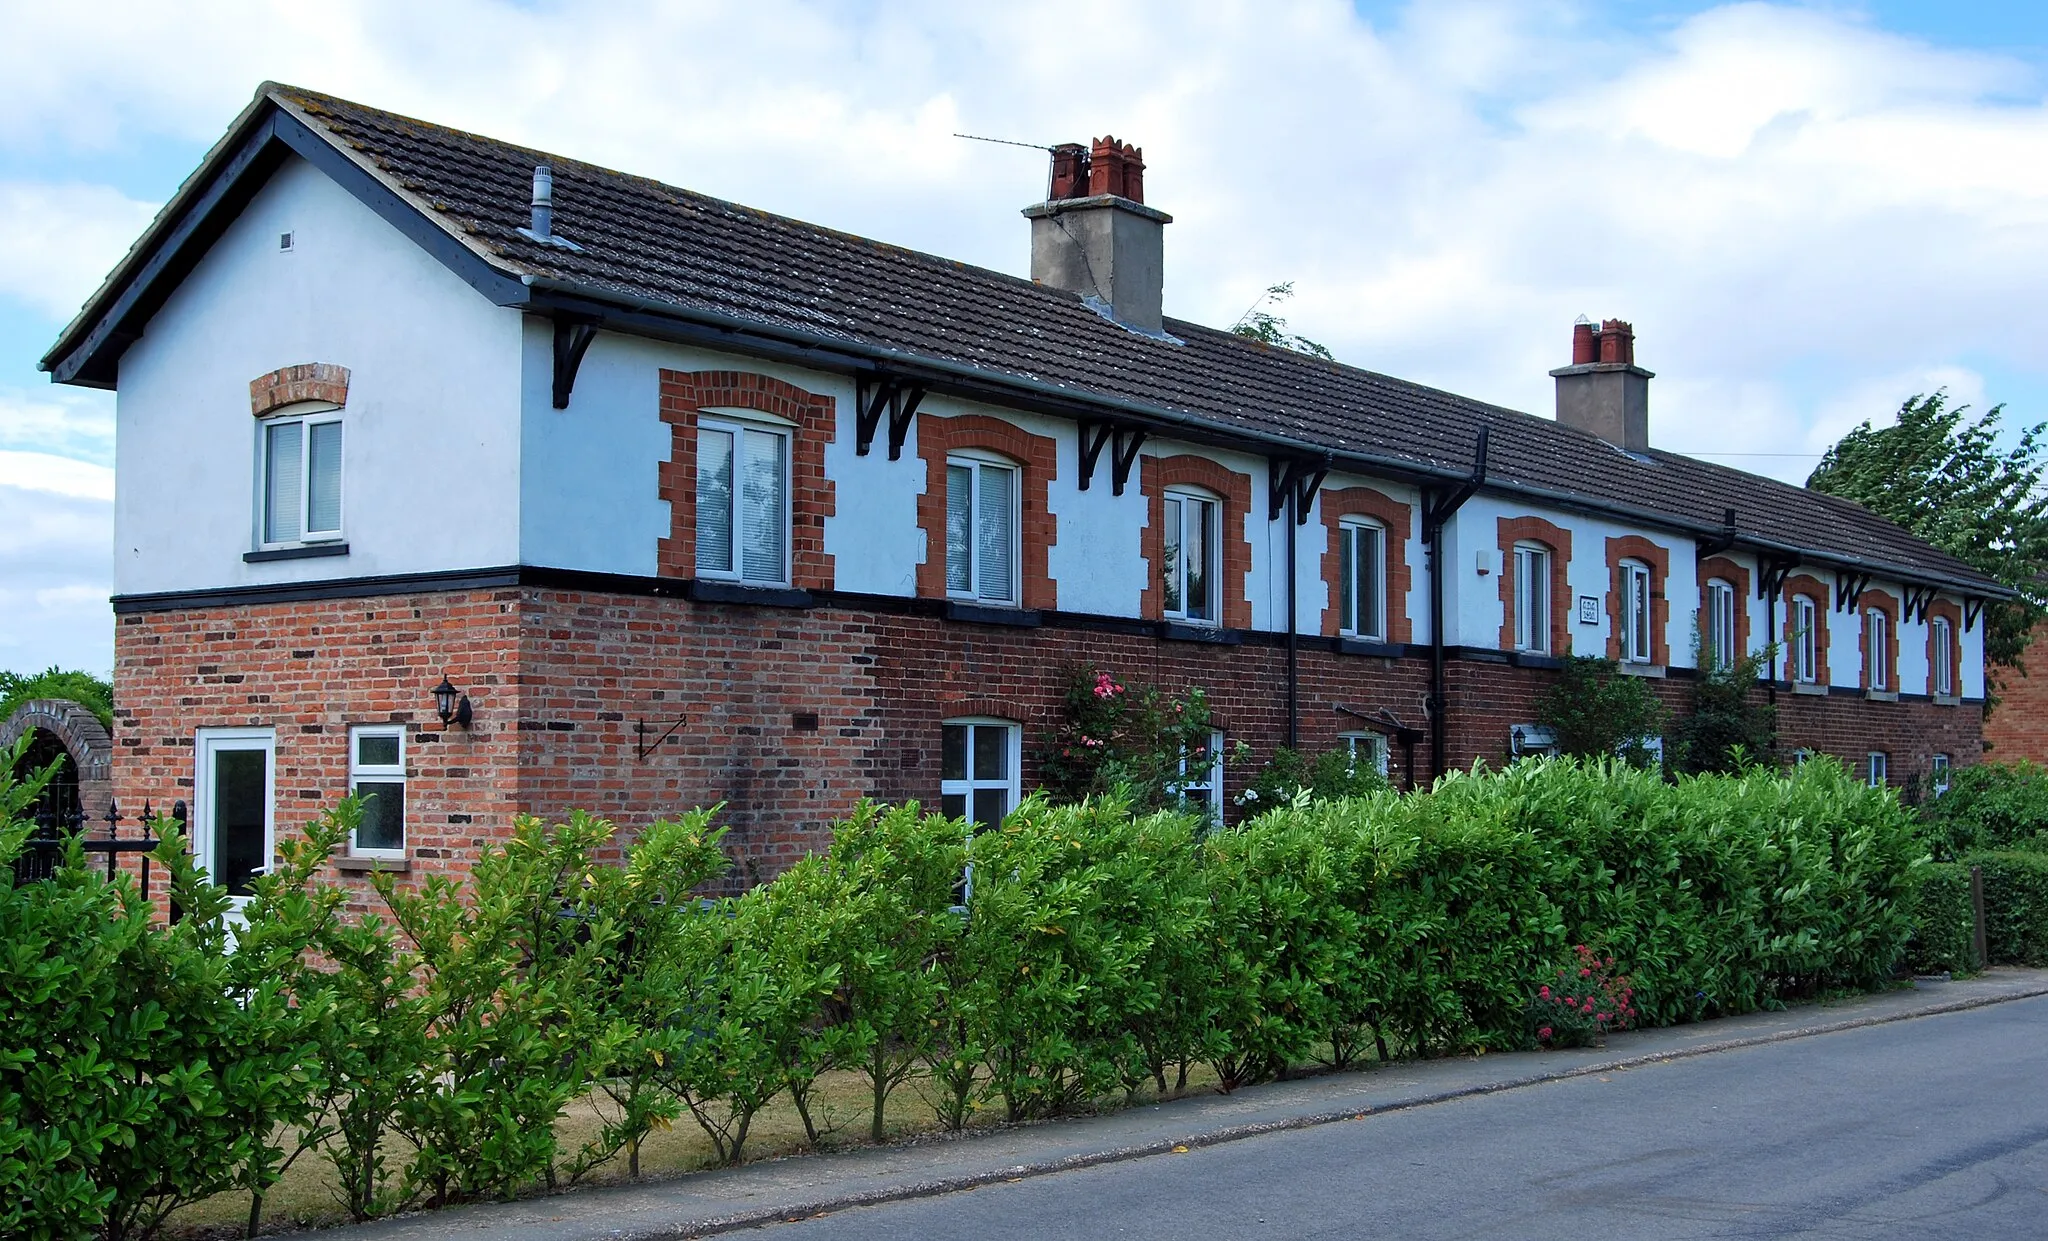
1806, 217
71, 422
57, 242
56, 570
40, 471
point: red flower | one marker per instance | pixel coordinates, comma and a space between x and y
1543, 1033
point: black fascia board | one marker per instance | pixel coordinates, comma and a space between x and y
89, 353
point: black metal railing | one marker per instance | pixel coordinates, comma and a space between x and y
54, 831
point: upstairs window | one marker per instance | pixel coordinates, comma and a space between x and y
300, 464
742, 502
1635, 612
1532, 598
376, 773
1362, 574
1718, 629
1188, 553
981, 529
1943, 656
1805, 640
1877, 649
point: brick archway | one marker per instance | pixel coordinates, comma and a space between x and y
83, 737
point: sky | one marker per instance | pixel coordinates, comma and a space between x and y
1809, 212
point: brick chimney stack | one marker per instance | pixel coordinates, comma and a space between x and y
1094, 235
1603, 391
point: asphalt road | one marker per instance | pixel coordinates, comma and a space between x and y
1929, 1128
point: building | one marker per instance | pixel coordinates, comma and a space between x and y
680, 502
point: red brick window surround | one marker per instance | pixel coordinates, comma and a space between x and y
1637, 548
1037, 457
1556, 540
1187, 470
1943, 609
1887, 660
1398, 520
1811, 588
1722, 569
289, 385
686, 394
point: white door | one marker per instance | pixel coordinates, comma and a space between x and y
233, 824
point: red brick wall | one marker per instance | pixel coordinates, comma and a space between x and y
2017, 728
560, 679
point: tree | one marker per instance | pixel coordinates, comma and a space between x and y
1598, 711
1267, 328
83, 688
1941, 476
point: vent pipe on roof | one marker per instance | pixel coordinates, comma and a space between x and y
543, 202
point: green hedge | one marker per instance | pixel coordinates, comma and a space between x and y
427, 1051
1944, 923
2015, 906
1989, 806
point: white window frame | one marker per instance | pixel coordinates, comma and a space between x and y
1176, 573
978, 591
1636, 627
1944, 662
1877, 641
738, 429
967, 786
1722, 599
1204, 787
1374, 744
1938, 774
1877, 768
206, 743
1351, 622
1805, 640
381, 773
307, 414
1532, 577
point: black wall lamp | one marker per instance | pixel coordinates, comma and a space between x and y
452, 703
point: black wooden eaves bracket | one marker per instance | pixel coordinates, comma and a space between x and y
1849, 587
1123, 444
875, 395
572, 341
1972, 608
1439, 508
1771, 575
1722, 541
1917, 599
1296, 479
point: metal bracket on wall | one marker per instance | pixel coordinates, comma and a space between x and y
1722, 541
1771, 575
1972, 608
572, 340
1297, 478
872, 396
1917, 599
1438, 509
1123, 444
640, 731
1849, 587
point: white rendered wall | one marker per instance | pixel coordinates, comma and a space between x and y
589, 474
430, 447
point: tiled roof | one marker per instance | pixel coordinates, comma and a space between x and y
660, 245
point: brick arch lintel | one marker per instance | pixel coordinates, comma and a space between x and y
1952, 612
1875, 599
81, 734
289, 385
1818, 591
1737, 575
